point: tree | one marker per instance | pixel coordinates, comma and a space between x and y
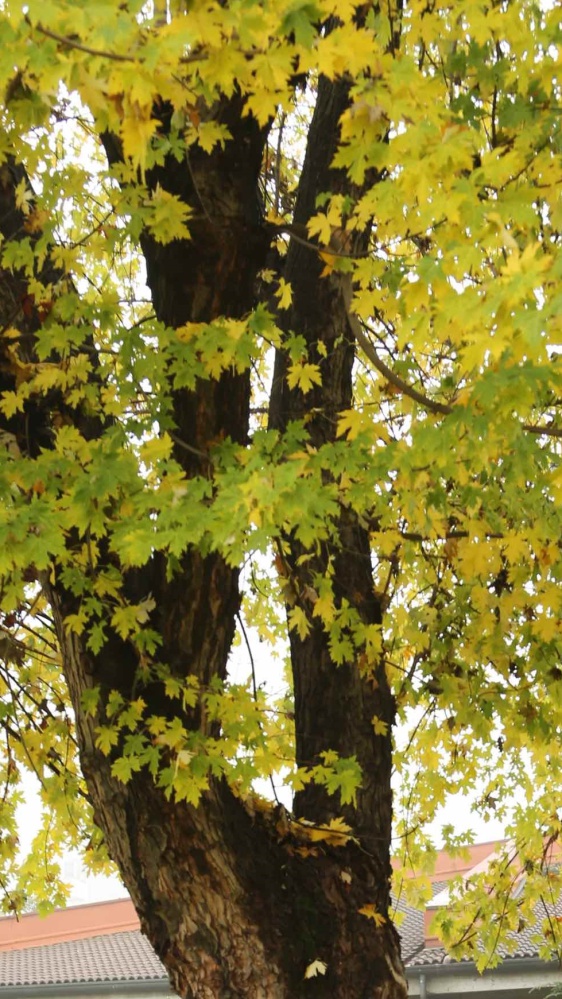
339, 404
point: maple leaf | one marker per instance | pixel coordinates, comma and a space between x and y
284, 294
315, 968
370, 911
136, 132
304, 376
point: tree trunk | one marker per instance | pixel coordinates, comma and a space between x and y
231, 906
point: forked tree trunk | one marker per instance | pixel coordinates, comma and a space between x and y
230, 906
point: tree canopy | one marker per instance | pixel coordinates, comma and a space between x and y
280, 307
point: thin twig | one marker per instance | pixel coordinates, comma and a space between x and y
115, 56
255, 689
392, 377
549, 431
71, 43
278, 154
431, 404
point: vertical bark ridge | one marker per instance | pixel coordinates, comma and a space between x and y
335, 706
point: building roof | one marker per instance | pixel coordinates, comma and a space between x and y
73, 923
447, 867
101, 945
411, 927
519, 944
112, 957
523, 945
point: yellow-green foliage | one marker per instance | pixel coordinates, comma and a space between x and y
450, 453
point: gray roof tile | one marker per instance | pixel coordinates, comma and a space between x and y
411, 929
522, 944
112, 957
128, 956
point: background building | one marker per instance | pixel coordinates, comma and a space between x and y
98, 950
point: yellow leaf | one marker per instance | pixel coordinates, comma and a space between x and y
145, 608
23, 196
127, 508
350, 422
211, 134
136, 133
156, 449
263, 105
304, 376
380, 727
329, 262
370, 911
183, 759
319, 225
546, 628
167, 216
75, 623
324, 608
335, 833
315, 968
284, 294
298, 620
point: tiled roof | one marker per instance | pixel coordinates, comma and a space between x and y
524, 946
411, 928
114, 957
438, 955
127, 956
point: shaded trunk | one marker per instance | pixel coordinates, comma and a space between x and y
335, 706
231, 906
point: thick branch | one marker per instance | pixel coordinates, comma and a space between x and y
334, 706
432, 405
369, 350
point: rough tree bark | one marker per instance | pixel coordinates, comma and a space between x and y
231, 912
